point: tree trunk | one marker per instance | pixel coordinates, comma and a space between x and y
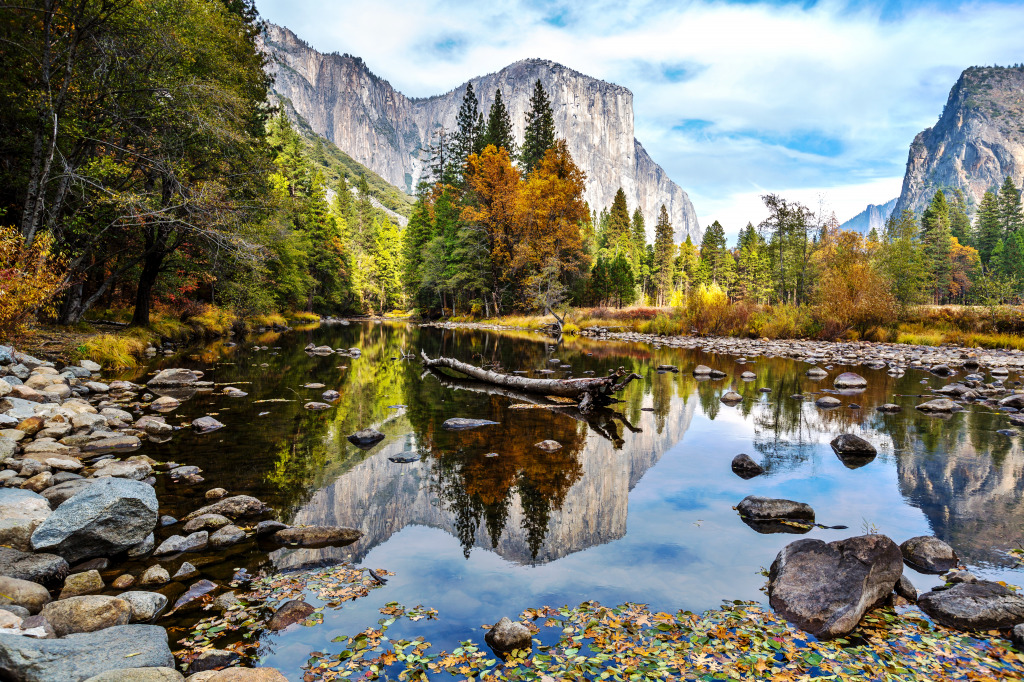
144, 294
590, 392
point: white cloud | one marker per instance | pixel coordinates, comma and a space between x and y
796, 100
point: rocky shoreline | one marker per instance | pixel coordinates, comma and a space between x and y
82, 576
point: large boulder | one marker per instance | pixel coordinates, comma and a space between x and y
107, 517
86, 614
42, 568
174, 377
853, 451
928, 554
825, 588
507, 636
235, 508
145, 606
78, 657
768, 509
1015, 400
981, 605
242, 675
139, 675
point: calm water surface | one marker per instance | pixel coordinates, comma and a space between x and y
636, 506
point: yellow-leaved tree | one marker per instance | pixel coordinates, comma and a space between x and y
30, 277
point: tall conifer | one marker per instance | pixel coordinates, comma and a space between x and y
540, 129
499, 126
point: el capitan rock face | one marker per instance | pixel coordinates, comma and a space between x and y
977, 142
384, 130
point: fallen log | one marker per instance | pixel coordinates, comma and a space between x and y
588, 391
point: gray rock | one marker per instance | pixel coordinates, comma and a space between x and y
745, 467
42, 568
143, 548
235, 508
853, 451
206, 424
154, 576
1016, 401
825, 589
209, 522
366, 438
507, 636
146, 606
185, 572
108, 517
139, 675
115, 445
21, 512
265, 528
850, 380
176, 544
317, 536
828, 402
890, 408
86, 614
62, 492
227, 536
906, 589
86, 582
940, 406
928, 554
78, 657
174, 378
731, 398
90, 366
767, 509
982, 605
24, 593
213, 659
317, 407
291, 612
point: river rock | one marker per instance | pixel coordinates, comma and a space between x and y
105, 518
731, 398
215, 493
185, 572
291, 612
208, 522
134, 469
889, 408
235, 508
78, 584
1015, 401
227, 536
745, 467
768, 509
21, 512
114, 445
23, 593
211, 659
317, 536
86, 614
850, 380
928, 554
825, 589
828, 402
548, 445
154, 576
145, 606
817, 373
206, 424
265, 528
139, 675
330, 396
981, 605
241, 675
195, 595
906, 589
143, 548
316, 407
366, 438
507, 636
176, 544
58, 494
853, 451
174, 378
164, 403
42, 568
941, 405
78, 657
462, 423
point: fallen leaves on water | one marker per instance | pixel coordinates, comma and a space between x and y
741, 640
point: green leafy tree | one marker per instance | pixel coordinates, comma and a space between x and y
540, 129
959, 222
787, 227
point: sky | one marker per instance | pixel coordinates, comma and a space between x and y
817, 101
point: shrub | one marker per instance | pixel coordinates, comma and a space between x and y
30, 279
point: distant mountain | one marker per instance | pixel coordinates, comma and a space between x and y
977, 142
381, 128
874, 216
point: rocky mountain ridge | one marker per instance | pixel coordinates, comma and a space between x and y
871, 218
386, 131
977, 141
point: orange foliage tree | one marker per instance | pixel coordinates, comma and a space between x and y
964, 264
850, 292
30, 278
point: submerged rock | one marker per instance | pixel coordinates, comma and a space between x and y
366, 438
206, 424
981, 605
291, 612
461, 423
942, 405
825, 589
929, 554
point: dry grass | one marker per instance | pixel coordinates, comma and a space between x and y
116, 351
270, 320
303, 316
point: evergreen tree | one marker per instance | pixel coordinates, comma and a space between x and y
616, 224
387, 265
1011, 259
901, 259
959, 222
1010, 216
687, 264
540, 129
935, 236
417, 236
988, 227
464, 140
753, 272
717, 265
664, 257
499, 126
444, 162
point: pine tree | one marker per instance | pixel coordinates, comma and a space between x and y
664, 257
417, 235
753, 272
540, 129
959, 222
617, 224
687, 263
1011, 258
387, 265
901, 258
716, 262
1010, 216
499, 126
988, 227
935, 236
464, 139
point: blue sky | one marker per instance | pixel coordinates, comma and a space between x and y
818, 101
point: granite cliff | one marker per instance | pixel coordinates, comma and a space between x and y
378, 126
977, 142
871, 218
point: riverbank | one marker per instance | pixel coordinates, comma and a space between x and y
966, 326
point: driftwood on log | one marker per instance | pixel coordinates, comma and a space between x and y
589, 392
